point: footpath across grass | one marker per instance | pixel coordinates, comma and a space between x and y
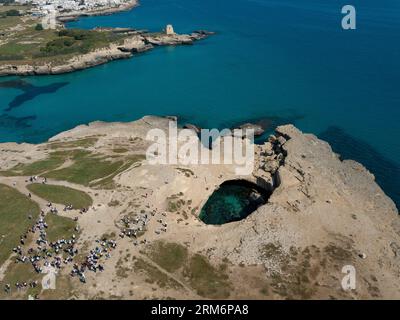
61, 195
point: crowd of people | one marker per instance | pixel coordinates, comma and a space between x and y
132, 227
43, 253
93, 259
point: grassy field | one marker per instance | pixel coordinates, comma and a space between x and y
52, 162
37, 167
206, 279
62, 195
84, 143
22, 43
59, 227
20, 272
168, 255
154, 275
30, 45
14, 209
108, 182
86, 168
120, 150
93, 170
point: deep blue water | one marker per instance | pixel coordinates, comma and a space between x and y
288, 60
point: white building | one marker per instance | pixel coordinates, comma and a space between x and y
169, 29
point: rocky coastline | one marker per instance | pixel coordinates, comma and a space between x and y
323, 214
139, 42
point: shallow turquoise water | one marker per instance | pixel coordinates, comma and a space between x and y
287, 59
230, 202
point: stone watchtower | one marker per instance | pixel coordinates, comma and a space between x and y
169, 30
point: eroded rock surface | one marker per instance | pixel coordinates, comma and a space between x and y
323, 214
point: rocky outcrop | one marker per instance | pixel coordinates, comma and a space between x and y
80, 62
324, 216
161, 39
258, 129
139, 42
192, 127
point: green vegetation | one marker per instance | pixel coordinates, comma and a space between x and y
207, 280
107, 236
187, 172
59, 227
121, 270
21, 46
14, 210
154, 275
271, 250
114, 203
62, 195
108, 182
84, 143
120, 150
25, 41
85, 170
174, 203
77, 41
168, 255
20, 272
10, 13
42, 166
39, 27
299, 270
337, 253
37, 167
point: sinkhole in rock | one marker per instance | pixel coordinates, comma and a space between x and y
234, 200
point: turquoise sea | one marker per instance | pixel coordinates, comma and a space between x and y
276, 60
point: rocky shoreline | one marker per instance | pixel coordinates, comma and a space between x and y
323, 214
137, 43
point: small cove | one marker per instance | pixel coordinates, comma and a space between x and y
234, 200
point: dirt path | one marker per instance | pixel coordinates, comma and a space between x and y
170, 275
20, 183
5, 265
